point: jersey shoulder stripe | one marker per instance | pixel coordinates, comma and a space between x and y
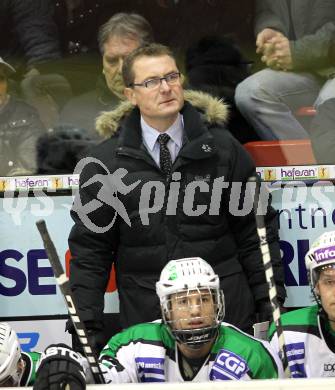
302, 320
154, 333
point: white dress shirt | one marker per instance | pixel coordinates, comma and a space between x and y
150, 135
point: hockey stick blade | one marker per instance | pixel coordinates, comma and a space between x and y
259, 212
64, 285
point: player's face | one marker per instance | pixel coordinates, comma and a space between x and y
192, 309
160, 105
326, 290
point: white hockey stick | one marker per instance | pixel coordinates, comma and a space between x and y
64, 285
266, 257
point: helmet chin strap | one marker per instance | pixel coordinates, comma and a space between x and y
195, 338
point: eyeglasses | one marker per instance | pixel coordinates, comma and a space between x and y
172, 78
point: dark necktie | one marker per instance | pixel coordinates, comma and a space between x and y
165, 156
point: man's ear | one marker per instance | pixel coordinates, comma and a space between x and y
316, 289
130, 95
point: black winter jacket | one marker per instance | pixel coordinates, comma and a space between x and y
140, 251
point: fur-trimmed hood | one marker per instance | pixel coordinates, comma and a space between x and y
213, 109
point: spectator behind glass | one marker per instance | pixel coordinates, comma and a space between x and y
293, 38
119, 36
216, 65
20, 128
322, 126
37, 54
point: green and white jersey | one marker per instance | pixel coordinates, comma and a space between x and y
309, 341
31, 359
147, 353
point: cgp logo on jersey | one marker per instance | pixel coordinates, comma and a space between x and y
228, 366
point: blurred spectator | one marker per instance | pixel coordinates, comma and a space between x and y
323, 132
29, 36
59, 150
20, 128
120, 35
322, 126
294, 38
216, 65
29, 40
48, 93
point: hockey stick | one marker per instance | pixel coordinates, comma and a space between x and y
266, 257
64, 285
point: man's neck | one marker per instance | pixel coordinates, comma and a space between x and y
160, 125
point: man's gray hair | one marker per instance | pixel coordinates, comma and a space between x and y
126, 25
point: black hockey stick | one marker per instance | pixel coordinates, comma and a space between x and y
64, 285
259, 210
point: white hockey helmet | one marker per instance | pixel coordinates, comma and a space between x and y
10, 355
320, 256
186, 275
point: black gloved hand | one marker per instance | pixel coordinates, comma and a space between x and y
96, 339
263, 310
60, 366
96, 336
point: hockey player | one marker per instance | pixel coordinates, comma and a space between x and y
17, 368
190, 343
310, 332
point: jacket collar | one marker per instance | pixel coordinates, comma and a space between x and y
199, 143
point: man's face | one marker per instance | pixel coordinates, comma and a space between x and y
192, 310
115, 50
3, 86
325, 287
161, 104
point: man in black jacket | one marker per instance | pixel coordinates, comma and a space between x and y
156, 191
